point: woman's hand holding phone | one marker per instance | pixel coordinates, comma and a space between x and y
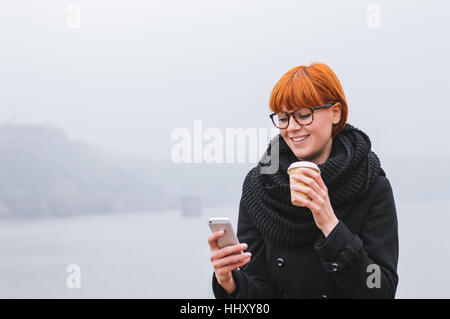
226, 259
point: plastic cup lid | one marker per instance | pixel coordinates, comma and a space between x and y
304, 164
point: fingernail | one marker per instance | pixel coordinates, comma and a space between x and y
243, 245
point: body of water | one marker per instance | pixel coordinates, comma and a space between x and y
162, 255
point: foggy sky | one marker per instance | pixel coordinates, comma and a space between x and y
136, 70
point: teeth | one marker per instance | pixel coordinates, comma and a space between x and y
298, 139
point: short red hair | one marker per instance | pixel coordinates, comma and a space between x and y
311, 85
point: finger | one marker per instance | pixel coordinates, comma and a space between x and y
317, 177
229, 260
310, 172
309, 182
322, 183
307, 191
315, 209
235, 265
302, 202
228, 250
212, 239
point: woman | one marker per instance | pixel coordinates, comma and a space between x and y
343, 243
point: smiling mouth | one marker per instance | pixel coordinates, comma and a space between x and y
299, 139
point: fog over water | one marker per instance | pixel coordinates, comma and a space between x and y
163, 255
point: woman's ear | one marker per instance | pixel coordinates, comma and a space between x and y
336, 109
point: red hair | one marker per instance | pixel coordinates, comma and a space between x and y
312, 85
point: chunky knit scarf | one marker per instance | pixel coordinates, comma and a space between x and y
348, 174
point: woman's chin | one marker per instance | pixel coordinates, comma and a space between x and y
301, 155
298, 149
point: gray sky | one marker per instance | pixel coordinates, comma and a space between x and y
136, 70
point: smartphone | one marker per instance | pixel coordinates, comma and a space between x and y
229, 237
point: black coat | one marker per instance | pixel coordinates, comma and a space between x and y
343, 265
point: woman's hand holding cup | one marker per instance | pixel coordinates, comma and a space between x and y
309, 190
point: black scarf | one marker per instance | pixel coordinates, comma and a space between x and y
348, 174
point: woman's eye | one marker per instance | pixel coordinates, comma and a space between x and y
283, 120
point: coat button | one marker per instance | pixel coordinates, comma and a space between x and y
284, 296
280, 262
324, 296
334, 266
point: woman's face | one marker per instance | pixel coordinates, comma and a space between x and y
317, 146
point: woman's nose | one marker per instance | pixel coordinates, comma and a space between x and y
293, 125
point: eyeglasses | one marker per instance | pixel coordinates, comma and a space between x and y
303, 116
